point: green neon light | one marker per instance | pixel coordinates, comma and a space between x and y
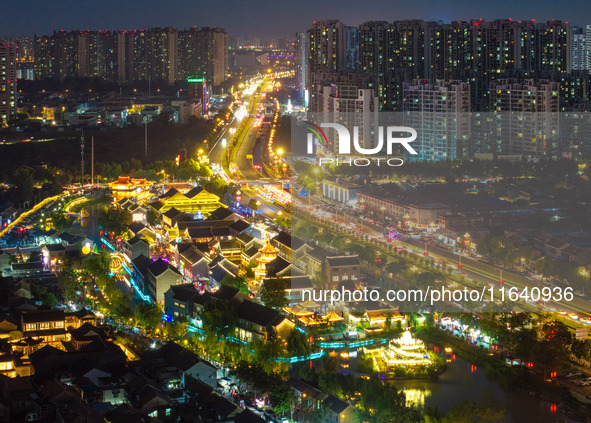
198, 80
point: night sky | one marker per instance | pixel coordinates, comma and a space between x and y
265, 18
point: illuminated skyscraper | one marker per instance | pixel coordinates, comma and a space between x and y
188, 56
391, 53
43, 57
580, 52
197, 89
477, 52
352, 48
213, 54
97, 55
517, 131
327, 44
8, 54
302, 48
327, 40
24, 56
65, 55
204, 52
438, 112
156, 54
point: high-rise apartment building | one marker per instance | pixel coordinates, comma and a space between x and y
575, 91
8, 56
204, 52
352, 48
327, 49
65, 55
327, 40
24, 48
510, 95
526, 117
439, 113
24, 56
477, 52
344, 97
390, 54
212, 48
156, 54
96, 55
301, 55
580, 52
587, 31
43, 47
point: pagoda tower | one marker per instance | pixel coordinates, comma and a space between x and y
268, 254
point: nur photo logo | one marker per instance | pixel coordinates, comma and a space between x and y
387, 136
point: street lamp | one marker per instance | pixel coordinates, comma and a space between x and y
257, 204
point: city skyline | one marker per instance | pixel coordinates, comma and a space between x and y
267, 17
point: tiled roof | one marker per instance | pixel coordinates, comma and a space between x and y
135, 227
141, 263
240, 225
160, 266
194, 192
276, 265
286, 239
55, 247
245, 238
220, 213
335, 404
343, 261
172, 213
184, 292
225, 292
169, 193
43, 316
173, 354
258, 313
191, 255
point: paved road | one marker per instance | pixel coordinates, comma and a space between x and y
217, 149
246, 148
247, 144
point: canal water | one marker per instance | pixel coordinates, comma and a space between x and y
90, 228
465, 382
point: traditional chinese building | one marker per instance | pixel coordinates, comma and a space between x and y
197, 202
268, 254
406, 351
126, 186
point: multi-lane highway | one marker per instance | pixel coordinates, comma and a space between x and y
218, 148
246, 146
245, 140
240, 166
